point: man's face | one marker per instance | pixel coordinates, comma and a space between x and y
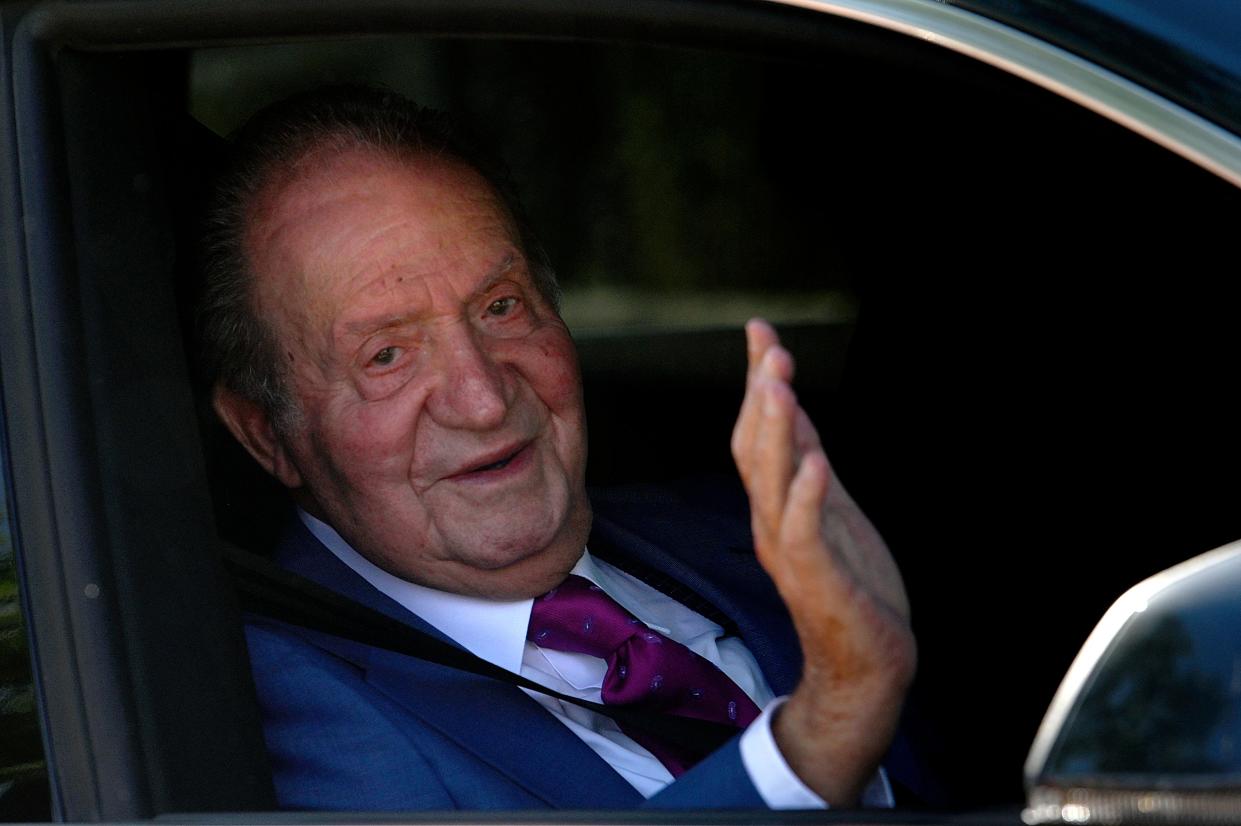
442, 431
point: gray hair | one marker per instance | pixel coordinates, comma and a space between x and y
238, 348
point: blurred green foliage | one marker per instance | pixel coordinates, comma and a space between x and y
646, 171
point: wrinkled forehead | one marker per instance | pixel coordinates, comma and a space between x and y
337, 212
329, 170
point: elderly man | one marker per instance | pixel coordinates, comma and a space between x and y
386, 343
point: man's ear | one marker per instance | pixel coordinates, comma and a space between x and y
249, 423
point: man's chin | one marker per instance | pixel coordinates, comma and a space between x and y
519, 565
524, 578
531, 552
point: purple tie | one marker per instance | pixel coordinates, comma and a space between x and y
645, 669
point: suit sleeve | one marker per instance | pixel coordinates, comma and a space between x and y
718, 782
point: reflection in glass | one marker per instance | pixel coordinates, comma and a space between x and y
1163, 703
1153, 709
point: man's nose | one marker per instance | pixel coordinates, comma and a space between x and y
472, 392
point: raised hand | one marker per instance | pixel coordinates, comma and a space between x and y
837, 578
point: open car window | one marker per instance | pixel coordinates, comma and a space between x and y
23, 770
1012, 319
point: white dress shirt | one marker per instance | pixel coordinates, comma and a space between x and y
496, 632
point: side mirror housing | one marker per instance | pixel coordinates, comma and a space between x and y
1146, 726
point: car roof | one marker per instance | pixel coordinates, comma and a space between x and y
1186, 51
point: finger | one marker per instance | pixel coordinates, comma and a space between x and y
806, 572
803, 514
759, 336
743, 432
762, 344
771, 459
775, 369
755, 346
805, 435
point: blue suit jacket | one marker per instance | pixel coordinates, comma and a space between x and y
352, 727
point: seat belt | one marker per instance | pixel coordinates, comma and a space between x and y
267, 589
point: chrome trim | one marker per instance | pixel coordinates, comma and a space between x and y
1110, 806
1133, 601
1059, 71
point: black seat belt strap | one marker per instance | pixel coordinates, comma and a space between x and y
271, 591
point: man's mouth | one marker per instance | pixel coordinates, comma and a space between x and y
495, 465
498, 463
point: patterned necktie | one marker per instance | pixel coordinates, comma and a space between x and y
645, 669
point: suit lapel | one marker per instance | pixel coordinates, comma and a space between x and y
498, 723
710, 555
494, 721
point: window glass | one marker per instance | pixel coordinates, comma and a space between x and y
1001, 340
23, 772
672, 204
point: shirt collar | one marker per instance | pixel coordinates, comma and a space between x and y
492, 629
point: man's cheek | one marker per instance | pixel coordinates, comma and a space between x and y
559, 378
375, 439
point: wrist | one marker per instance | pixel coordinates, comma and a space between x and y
834, 740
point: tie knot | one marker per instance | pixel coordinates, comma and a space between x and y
578, 616
645, 670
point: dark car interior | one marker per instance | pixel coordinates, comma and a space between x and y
1019, 359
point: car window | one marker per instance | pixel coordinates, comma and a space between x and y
23, 772
674, 207
1010, 317
661, 208
953, 257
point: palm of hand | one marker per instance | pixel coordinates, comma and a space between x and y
837, 578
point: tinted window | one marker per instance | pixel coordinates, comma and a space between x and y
666, 184
1008, 353
23, 773
1025, 304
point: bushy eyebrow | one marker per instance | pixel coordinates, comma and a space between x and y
497, 274
375, 324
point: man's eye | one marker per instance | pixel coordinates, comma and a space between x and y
501, 306
385, 356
